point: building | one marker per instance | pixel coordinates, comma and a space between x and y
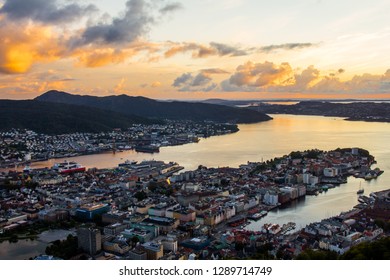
88, 212
53, 215
158, 210
116, 247
141, 235
114, 229
89, 240
154, 251
198, 243
155, 231
271, 198
330, 172
169, 244
138, 254
114, 217
182, 214
163, 223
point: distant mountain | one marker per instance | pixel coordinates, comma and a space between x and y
150, 108
52, 118
354, 111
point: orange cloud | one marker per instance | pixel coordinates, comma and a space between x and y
156, 84
198, 50
97, 57
101, 57
19, 50
120, 87
263, 75
270, 77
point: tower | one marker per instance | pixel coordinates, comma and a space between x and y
89, 239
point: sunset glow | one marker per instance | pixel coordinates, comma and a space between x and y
236, 49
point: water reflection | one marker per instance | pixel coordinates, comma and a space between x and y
266, 140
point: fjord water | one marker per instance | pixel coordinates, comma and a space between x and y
278, 137
263, 141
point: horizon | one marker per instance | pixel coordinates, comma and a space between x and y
186, 50
286, 99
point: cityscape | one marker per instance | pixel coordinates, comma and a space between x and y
194, 130
154, 210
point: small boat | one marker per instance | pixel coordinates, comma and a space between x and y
27, 169
361, 190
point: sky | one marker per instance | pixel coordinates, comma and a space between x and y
227, 49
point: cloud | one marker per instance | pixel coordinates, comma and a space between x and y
200, 81
201, 51
182, 80
20, 50
120, 86
45, 11
100, 57
214, 71
224, 49
22, 86
331, 83
369, 83
288, 46
271, 77
52, 76
171, 8
220, 49
328, 84
135, 22
307, 79
262, 75
156, 84
36, 31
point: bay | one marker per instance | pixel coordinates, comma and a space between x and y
267, 140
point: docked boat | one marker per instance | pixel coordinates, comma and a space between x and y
68, 167
27, 169
258, 215
127, 163
147, 149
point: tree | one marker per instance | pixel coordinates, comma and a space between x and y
310, 254
377, 250
134, 240
141, 195
64, 249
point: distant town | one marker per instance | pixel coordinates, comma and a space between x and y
150, 210
19, 147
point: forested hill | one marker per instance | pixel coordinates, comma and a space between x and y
53, 118
150, 108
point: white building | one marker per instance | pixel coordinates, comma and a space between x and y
270, 198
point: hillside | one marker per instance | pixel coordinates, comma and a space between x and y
150, 108
354, 111
52, 118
